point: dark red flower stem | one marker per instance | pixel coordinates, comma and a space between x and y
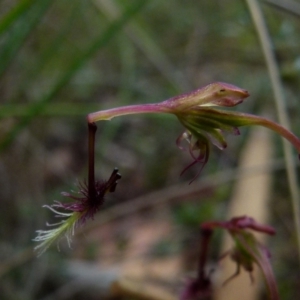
92, 127
205, 240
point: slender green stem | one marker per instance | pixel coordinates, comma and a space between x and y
274, 74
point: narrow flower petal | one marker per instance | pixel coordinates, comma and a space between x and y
185, 136
199, 151
211, 124
238, 119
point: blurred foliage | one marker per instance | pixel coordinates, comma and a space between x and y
63, 59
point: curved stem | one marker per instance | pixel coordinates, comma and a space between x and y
127, 110
285, 133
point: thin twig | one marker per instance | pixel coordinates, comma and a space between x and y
278, 91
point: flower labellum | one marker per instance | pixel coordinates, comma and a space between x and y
75, 213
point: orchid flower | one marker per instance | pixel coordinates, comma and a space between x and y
204, 122
248, 251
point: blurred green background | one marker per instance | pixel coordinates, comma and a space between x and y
60, 60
